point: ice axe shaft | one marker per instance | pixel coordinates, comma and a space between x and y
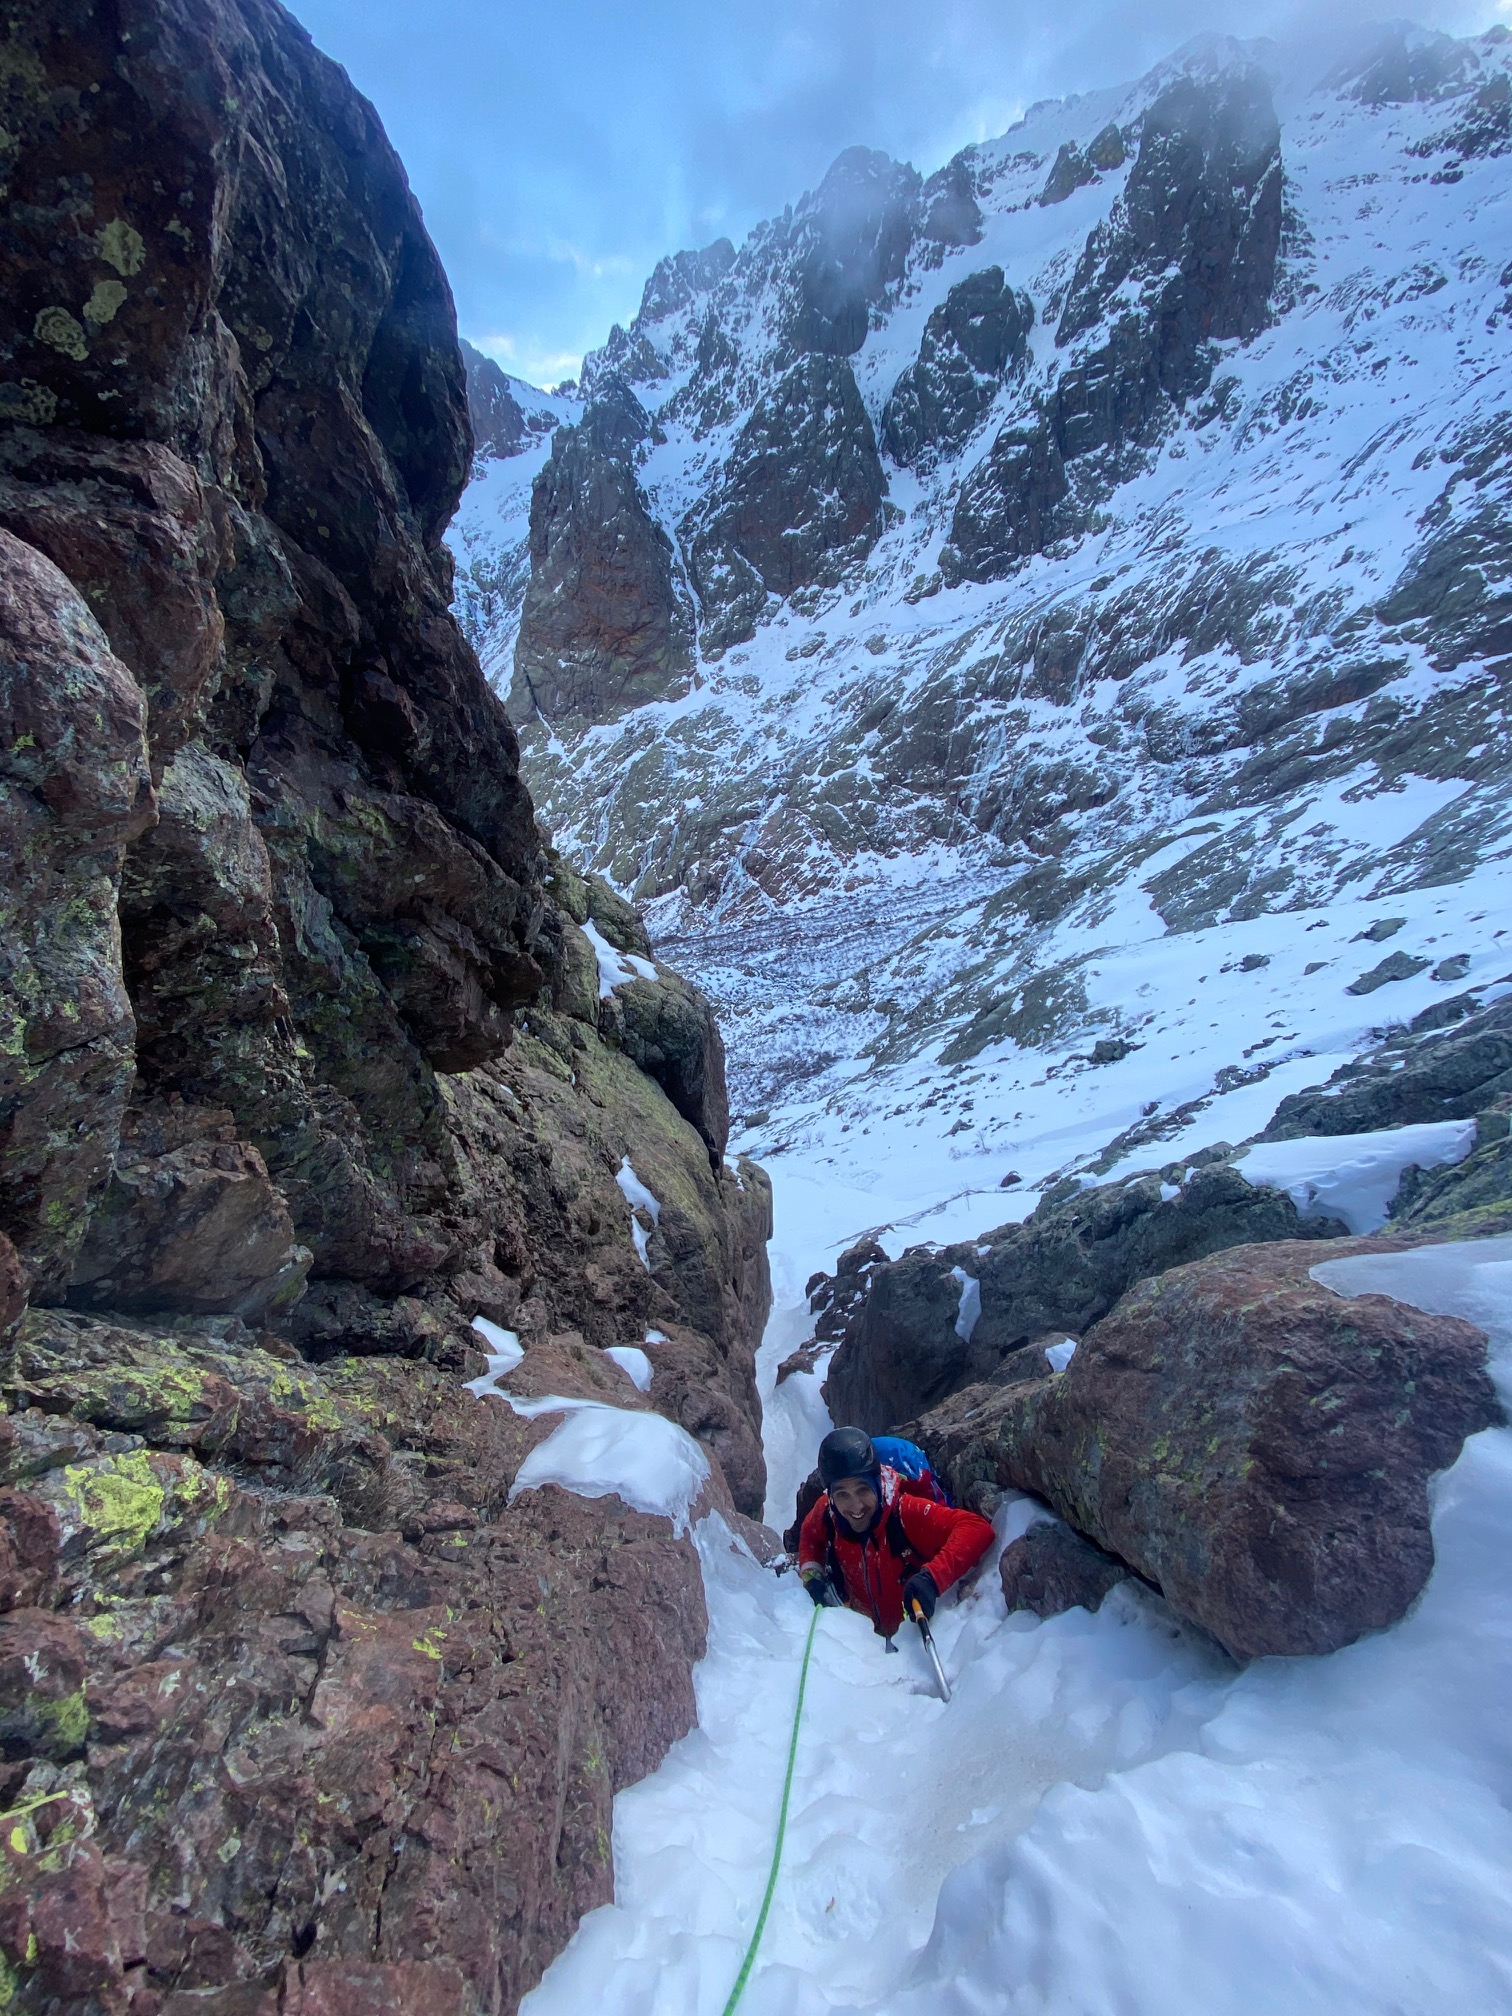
917, 1613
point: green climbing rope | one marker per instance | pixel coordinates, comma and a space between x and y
787, 1785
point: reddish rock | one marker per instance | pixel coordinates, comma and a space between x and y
1050, 1569
191, 1221
605, 624
43, 1659
363, 1988
1256, 1445
12, 1291
30, 1541
131, 525
316, 1737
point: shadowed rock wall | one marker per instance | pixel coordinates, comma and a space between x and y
304, 1063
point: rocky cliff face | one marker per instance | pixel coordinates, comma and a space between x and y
308, 1059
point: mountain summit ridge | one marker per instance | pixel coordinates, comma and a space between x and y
1201, 555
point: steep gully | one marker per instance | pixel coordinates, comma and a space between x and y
318, 1688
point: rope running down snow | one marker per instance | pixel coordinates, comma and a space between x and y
787, 1785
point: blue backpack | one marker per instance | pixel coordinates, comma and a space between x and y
910, 1462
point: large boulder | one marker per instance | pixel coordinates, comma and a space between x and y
937, 1320
1254, 1444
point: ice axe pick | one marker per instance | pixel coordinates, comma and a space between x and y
917, 1613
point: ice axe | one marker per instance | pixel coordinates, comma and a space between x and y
916, 1611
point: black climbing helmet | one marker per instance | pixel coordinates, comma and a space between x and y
847, 1452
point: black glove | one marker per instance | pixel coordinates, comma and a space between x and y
822, 1592
920, 1589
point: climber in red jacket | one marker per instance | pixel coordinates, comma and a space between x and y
875, 1545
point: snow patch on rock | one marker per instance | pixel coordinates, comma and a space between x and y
1354, 1176
599, 1451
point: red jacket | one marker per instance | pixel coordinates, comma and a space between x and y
942, 1538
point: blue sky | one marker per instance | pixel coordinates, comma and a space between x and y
559, 151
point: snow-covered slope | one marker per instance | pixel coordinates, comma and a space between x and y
970, 797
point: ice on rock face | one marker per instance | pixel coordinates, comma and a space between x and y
633, 1362
504, 1352
639, 1198
615, 967
1060, 1355
1354, 1176
501, 1343
969, 1308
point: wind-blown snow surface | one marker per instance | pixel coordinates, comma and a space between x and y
1109, 1817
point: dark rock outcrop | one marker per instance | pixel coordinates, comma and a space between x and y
74, 791
851, 239
834, 1299
1187, 257
606, 625
1402, 65
916, 1337
1199, 222
501, 426
977, 335
949, 213
301, 1068
1015, 503
681, 277
191, 1221
667, 1028
1253, 1443
1050, 1569
1071, 171
1451, 1074
800, 502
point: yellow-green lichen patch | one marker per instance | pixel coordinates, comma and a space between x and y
120, 245
157, 1398
107, 299
57, 327
28, 403
62, 1726
117, 1503
304, 1396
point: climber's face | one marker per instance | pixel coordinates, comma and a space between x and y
856, 1502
